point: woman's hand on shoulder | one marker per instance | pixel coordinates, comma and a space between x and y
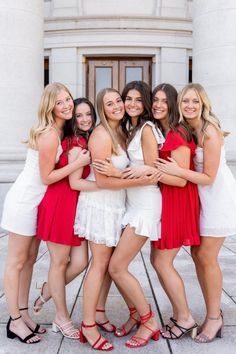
105, 167
151, 179
79, 156
83, 158
137, 171
170, 167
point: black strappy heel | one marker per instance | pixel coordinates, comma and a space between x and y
13, 335
192, 330
37, 327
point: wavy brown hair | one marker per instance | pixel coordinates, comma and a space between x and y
71, 127
146, 95
173, 114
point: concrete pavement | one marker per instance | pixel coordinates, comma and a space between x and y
54, 343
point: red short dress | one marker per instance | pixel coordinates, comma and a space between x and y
180, 205
56, 212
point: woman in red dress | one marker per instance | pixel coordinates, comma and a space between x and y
56, 215
180, 210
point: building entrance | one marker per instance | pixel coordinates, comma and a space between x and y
115, 73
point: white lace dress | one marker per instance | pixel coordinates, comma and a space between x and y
99, 214
20, 207
218, 200
143, 207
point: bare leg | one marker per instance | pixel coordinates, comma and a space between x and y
18, 251
100, 311
101, 255
210, 278
162, 261
101, 315
25, 282
59, 255
129, 285
174, 309
78, 261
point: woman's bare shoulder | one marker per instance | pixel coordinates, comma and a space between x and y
100, 133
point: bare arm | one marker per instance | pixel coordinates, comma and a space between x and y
211, 160
75, 178
182, 157
47, 147
101, 148
149, 146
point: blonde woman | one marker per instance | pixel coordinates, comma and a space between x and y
143, 211
99, 214
217, 191
20, 207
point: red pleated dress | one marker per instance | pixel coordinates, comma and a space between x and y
56, 212
180, 205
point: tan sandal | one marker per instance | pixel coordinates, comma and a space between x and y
202, 338
67, 329
38, 308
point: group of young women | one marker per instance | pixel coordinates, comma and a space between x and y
158, 172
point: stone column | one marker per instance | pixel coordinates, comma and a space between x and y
21, 84
66, 8
214, 57
173, 66
63, 63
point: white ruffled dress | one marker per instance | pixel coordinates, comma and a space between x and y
99, 214
143, 206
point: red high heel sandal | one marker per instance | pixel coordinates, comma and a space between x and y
103, 324
101, 346
139, 341
121, 332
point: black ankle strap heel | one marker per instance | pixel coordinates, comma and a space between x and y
13, 335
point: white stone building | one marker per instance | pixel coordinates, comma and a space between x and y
90, 44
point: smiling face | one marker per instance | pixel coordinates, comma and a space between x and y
159, 106
113, 106
63, 106
83, 116
133, 103
190, 105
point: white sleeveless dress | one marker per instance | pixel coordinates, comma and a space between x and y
20, 207
144, 204
99, 214
218, 200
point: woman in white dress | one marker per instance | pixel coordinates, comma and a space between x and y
217, 191
143, 212
99, 214
20, 207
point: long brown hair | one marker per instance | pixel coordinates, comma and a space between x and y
71, 126
173, 114
146, 96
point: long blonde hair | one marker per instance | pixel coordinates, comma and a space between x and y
103, 118
206, 113
45, 112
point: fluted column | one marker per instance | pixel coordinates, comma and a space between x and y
214, 58
21, 84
